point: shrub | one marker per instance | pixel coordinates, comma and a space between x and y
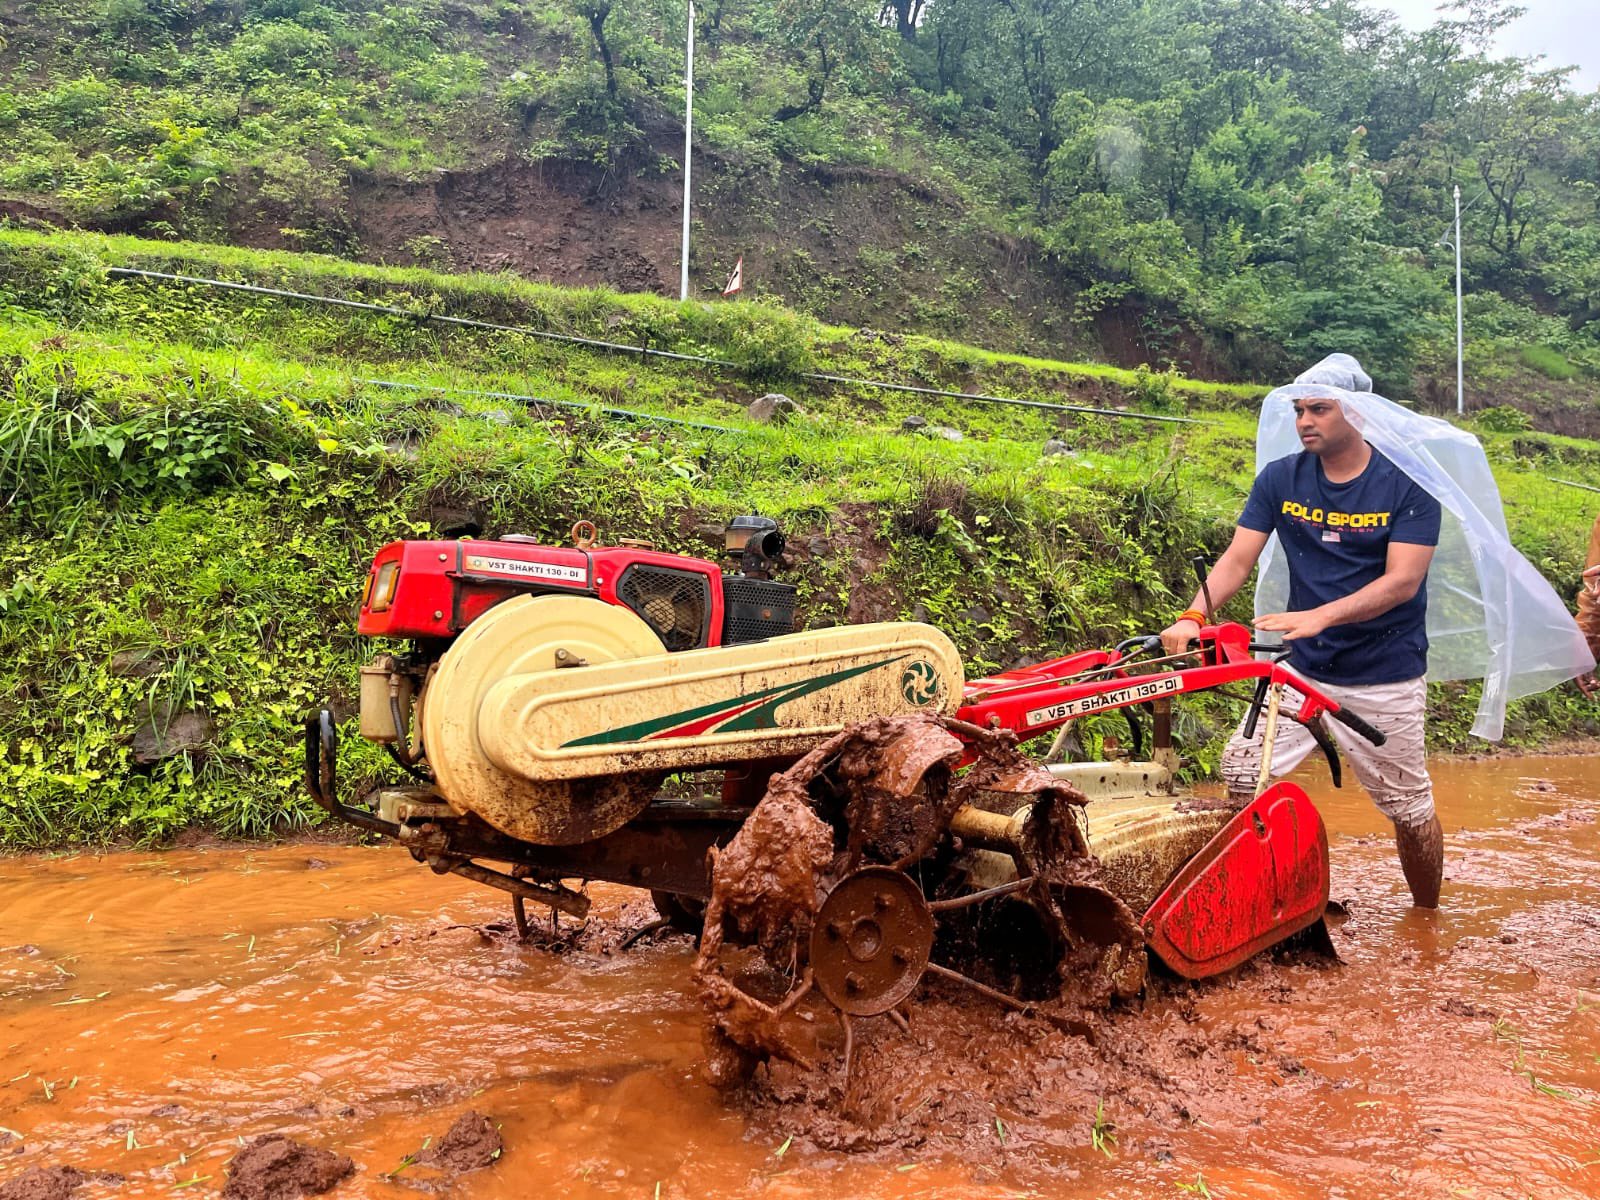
1503, 418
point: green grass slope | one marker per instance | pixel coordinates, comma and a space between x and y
194, 479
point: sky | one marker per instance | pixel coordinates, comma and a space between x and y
1565, 32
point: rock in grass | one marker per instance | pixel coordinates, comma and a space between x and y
136, 664
1056, 446
275, 1167
167, 734
914, 423
772, 409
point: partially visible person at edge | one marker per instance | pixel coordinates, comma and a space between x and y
1589, 607
1357, 534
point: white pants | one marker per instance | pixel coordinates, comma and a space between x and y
1394, 774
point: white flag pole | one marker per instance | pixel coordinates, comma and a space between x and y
1461, 396
688, 133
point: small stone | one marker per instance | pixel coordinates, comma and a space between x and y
913, 423
772, 409
1056, 446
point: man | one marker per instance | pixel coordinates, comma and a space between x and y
1589, 607
1358, 536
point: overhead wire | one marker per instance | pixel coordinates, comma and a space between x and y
990, 399
1573, 483
391, 310
646, 351
628, 414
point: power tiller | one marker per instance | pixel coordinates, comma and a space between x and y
871, 821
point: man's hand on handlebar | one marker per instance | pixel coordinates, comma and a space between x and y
1175, 638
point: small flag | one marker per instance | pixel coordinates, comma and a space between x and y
736, 280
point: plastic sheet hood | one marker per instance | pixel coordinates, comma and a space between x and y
1491, 615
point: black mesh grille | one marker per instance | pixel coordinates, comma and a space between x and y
754, 609
676, 604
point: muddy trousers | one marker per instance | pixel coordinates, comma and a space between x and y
1394, 774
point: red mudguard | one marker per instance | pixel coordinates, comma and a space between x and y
1261, 879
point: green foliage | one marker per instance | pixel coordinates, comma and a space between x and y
197, 479
1276, 178
1549, 363
1502, 418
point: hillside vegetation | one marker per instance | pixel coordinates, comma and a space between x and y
194, 480
1236, 186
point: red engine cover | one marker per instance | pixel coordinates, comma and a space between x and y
1262, 878
442, 587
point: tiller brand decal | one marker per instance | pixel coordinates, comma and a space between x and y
535, 570
1164, 685
754, 710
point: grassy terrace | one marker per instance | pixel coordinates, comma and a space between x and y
194, 479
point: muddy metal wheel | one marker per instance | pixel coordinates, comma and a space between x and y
840, 880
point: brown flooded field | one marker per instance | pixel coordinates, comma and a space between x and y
159, 1009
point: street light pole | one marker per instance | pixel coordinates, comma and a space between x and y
1461, 400
688, 144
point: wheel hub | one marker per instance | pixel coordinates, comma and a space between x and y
871, 940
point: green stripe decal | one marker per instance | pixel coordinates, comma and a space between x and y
752, 711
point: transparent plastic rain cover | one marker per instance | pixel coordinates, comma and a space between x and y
1491, 615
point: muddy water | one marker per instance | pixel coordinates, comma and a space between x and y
155, 1009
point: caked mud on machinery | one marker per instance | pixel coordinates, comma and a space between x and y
870, 823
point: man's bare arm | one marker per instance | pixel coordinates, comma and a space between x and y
1224, 581
1404, 570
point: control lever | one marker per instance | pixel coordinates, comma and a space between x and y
1202, 573
1257, 703
1319, 732
1359, 724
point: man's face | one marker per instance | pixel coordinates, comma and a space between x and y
1321, 425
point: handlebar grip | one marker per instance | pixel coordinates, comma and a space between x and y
1144, 642
1359, 724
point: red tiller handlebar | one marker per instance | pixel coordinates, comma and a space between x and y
1038, 699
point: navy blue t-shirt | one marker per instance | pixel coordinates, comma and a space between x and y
1336, 538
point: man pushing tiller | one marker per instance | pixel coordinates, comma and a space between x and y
1358, 535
